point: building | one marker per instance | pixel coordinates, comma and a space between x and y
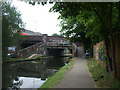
28, 32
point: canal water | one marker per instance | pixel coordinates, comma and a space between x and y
30, 74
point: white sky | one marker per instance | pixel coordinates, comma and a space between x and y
38, 18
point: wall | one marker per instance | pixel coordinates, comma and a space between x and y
96, 49
99, 53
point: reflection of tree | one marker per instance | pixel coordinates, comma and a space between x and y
6, 77
17, 83
13, 71
9, 79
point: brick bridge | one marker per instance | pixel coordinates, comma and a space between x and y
45, 45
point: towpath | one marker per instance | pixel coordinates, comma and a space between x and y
77, 77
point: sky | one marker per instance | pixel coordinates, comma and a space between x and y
38, 18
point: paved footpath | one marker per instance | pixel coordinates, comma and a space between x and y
77, 77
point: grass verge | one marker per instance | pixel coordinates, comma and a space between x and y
53, 80
102, 78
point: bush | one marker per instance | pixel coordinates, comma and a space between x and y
102, 78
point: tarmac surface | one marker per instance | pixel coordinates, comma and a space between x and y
77, 77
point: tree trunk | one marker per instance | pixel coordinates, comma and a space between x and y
118, 16
113, 56
112, 39
108, 61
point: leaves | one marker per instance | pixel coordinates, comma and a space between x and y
94, 17
11, 23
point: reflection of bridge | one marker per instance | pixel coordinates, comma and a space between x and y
31, 69
45, 45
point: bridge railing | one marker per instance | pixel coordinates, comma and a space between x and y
58, 44
26, 52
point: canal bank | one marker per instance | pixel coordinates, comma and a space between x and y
17, 74
53, 80
75, 75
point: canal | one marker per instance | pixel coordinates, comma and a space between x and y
30, 74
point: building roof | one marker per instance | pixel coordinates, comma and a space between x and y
28, 32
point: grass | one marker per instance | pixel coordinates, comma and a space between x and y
16, 59
102, 78
68, 55
53, 80
35, 57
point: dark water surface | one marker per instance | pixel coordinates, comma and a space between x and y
30, 74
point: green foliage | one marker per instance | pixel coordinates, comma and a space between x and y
55, 34
72, 25
74, 31
93, 21
95, 68
11, 23
101, 77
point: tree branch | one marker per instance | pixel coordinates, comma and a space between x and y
101, 20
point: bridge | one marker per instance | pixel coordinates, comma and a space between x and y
45, 45
57, 49
29, 40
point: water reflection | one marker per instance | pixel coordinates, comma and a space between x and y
25, 82
30, 74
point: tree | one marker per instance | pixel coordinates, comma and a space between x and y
55, 34
96, 18
11, 24
75, 31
